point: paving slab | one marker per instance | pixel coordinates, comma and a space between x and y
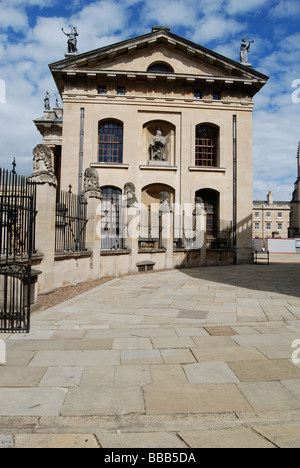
177, 356
89, 344
266, 370
227, 438
209, 373
46, 441
132, 343
64, 377
102, 376
228, 354
167, 375
21, 376
293, 386
88, 401
220, 331
146, 356
75, 358
183, 399
140, 440
282, 436
31, 401
191, 331
268, 396
132, 375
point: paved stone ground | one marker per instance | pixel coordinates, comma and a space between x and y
177, 359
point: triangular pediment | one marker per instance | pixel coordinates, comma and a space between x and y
184, 60
136, 55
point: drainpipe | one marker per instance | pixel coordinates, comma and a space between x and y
80, 177
235, 189
81, 151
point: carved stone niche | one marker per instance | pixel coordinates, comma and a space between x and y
159, 143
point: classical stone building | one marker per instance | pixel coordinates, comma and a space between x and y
174, 120
271, 218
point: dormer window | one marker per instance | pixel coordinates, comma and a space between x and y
160, 67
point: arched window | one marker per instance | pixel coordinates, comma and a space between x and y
206, 146
211, 203
160, 67
110, 143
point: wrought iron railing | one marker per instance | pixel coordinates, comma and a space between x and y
17, 240
17, 205
71, 221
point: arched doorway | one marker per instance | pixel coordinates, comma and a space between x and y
211, 200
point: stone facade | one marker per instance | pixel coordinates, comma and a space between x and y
271, 218
156, 113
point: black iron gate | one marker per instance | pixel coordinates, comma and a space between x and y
17, 228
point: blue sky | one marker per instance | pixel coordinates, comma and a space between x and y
31, 38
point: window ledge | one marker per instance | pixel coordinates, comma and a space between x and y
153, 167
206, 169
109, 166
106, 253
69, 255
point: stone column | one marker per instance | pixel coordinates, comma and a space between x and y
167, 222
93, 196
130, 220
45, 234
45, 180
93, 231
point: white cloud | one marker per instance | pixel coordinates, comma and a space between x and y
216, 27
244, 6
12, 18
286, 8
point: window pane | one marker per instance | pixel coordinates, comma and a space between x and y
206, 146
160, 68
110, 142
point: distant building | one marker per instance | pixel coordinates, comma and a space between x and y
271, 218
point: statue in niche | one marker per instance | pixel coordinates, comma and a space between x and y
157, 147
129, 192
43, 171
91, 184
72, 40
245, 49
